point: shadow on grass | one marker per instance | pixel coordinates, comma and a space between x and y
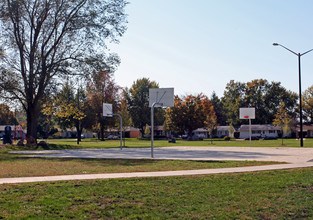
45, 147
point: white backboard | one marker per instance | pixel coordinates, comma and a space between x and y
163, 96
107, 110
247, 113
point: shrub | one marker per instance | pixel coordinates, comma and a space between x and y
226, 138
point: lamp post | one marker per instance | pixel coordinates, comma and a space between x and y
300, 96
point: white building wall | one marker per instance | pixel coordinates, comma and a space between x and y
258, 133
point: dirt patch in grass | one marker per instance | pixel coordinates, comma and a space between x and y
2, 147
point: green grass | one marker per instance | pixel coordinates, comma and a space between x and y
16, 166
283, 194
94, 143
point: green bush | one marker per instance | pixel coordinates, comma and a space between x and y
226, 138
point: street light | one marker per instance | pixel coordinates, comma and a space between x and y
300, 97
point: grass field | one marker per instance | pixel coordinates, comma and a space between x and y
283, 194
94, 143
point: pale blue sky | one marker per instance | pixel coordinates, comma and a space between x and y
200, 45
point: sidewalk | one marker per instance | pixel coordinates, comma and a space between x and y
296, 157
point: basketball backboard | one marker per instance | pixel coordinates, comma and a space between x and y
163, 96
107, 110
247, 113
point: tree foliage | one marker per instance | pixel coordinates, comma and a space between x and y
218, 108
307, 104
124, 113
282, 120
7, 117
101, 89
137, 98
41, 41
69, 108
189, 113
260, 94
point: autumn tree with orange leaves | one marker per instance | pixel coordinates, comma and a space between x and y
101, 88
189, 113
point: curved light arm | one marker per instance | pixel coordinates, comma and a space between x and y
276, 44
306, 52
298, 54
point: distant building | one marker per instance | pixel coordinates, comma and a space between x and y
222, 131
259, 131
200, 133
307, 131
131, 132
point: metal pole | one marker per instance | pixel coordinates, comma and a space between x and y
152, 127
250, 130
78, 132
121, 130
300, 97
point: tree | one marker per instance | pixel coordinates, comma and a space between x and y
219, 110
232, 100
137, 98
282, 120
231, 130
147, 130
307, 102
190, 113
102, 89
126, 117
46, 120
70, 109
265, 97
7, 117
43, 41
211, 121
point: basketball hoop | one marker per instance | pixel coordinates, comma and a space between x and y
246, 116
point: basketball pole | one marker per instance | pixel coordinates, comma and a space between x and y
250, 130
152, 126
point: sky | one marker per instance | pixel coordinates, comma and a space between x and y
198, 46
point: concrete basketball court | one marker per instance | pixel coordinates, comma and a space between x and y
294, 157
284, 154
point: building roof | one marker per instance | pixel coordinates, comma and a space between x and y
305, 128
201, 130
222, 128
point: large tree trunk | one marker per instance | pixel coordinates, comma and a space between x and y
79, 131
102, 126
102, 131
32, 122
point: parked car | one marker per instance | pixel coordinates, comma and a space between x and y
185, 136
112, 137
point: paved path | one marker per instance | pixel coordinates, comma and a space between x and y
296, 158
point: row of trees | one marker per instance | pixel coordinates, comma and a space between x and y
81, 106
264, 96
